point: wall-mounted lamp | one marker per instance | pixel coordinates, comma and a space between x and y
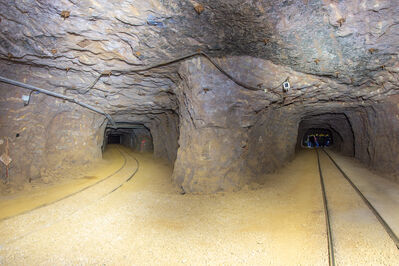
25, 99
286, 86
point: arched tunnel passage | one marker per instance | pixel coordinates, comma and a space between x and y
114, 139
333, 127
135, 136
203, 97
317, 137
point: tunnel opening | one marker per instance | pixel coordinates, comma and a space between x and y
134, 136
114, 139
332, 130
317, 137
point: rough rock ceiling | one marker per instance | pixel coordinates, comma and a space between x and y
72, 42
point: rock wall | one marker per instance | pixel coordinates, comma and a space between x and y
142, 140
213, 130
47, 134
272, 140
319, 37
336, 54
221, 125
221, 137
165, 134
376, 130
229, 136
370, 133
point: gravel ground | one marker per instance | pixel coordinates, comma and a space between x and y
147, 222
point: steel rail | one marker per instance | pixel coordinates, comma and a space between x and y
384, 224
130, 177
69, 195
331, 259
90, 204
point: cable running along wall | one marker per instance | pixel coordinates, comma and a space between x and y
73, 100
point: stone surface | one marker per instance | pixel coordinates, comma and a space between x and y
340, 57
165, 135
119, 35
46, 134
229, 136
376, 129
272, 140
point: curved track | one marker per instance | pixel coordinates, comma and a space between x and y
110, 187
36, 221
327, 173
69, 195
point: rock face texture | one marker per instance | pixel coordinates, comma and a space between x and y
165, 134
230, 135
376, 129
46, 135
272, 140
221, 130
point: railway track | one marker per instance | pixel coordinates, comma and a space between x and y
107, 190
341, 179
128, 174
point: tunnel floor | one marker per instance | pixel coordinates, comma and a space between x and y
146, 221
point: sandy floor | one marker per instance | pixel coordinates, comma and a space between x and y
148, 222
41, 193
359, 239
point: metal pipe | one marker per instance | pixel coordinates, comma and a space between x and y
57, 95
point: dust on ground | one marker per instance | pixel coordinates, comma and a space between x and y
147, 221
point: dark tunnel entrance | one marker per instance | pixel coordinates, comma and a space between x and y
134, 136
332, 130
114, 139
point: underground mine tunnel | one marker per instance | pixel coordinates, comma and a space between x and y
199, 132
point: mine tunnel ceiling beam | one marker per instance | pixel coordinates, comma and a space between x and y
57, 95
